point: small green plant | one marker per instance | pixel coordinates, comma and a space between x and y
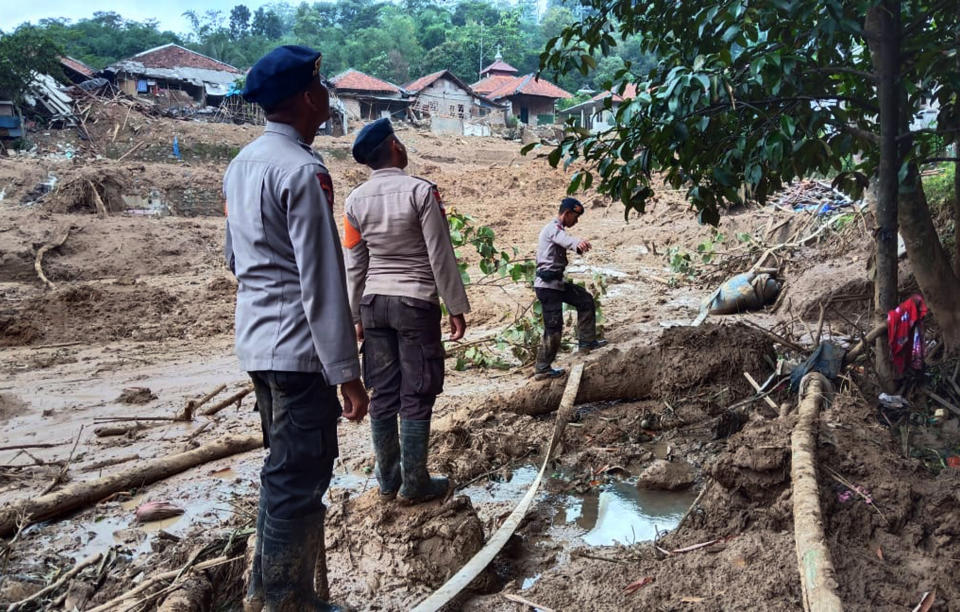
493, 261
680, 261
707, 248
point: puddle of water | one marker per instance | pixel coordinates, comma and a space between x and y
612, 513
620, 513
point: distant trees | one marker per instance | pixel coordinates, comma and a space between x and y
26, 51
397, 41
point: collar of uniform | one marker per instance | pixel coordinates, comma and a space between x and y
282, 128
387, 172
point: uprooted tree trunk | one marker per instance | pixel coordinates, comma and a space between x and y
81, 494
817, 575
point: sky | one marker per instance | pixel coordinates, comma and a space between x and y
167, 12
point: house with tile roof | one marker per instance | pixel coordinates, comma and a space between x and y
175, 74
593, 113
75, 70
532, 100
442, 96
366, 97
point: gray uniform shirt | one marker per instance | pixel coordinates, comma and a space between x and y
552, 247
292, 308
397, 242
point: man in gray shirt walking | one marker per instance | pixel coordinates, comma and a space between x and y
294, 331
553, 291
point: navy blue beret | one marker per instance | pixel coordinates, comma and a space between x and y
571, 204
283, 72
370, 137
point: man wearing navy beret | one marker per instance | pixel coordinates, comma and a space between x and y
294, 331
400, 264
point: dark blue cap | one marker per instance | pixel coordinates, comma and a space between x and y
283, 72
369, 138
571, 204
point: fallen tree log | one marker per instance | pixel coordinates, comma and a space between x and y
818, 578
684, 361
860, 347
81, 494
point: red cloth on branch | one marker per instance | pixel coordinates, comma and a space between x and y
905, 334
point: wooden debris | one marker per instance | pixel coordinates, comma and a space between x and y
192, 405
526, 602
233, 399
38, 262
98, 201
926, 602
756, 387
99, 465
82, 494
53, 588
635, 586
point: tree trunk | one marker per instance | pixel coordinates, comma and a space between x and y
882, 29
929, 260
85, 493
956, 206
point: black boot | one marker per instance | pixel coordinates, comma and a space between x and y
386, 448
253, 600
549, 346
417, 485
588, 345
289, 558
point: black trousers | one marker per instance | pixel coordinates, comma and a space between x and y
298, 415
402, 355
552, 301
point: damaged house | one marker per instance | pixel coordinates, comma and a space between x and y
367, 97
174, 76
450, 103
593, 113
531, 99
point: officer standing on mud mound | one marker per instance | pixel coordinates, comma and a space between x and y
400, 263
553, 292
295, 335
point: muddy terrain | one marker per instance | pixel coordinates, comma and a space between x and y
135, 318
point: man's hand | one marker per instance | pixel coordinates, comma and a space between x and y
355, 400
458, 327
583, 246
359, 327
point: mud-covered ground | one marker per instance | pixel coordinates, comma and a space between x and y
139, 298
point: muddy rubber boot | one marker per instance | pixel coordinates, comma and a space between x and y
418, 486
549, 346
253, 600
386, 448
289, 558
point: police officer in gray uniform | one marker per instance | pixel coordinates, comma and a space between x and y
294, 331
553, 291
400, 263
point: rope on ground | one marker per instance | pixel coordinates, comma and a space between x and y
482, 559
818, 578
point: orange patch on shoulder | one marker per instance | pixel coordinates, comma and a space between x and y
351, 235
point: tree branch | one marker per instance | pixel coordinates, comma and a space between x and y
913, 133
843, 70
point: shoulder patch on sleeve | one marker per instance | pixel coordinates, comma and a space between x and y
351, 235
326, 183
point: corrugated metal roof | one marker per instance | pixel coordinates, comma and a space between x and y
354, 80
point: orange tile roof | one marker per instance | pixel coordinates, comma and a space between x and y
173, 56
503, 86
628, 93
499, 66
354, 80
77, 66
424, 81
